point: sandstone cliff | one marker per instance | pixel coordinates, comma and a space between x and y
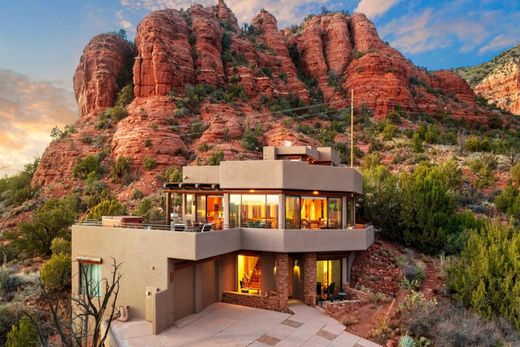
498, 80
202, 85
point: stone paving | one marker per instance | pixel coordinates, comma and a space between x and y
230, 325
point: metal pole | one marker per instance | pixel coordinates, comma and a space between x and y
352, 128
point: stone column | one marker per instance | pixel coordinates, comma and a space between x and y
309, 279
281, 281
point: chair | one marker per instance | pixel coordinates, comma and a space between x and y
206, 227
330, 291
179, 227
189, 224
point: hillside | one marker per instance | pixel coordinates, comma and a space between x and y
497, 80
206, 89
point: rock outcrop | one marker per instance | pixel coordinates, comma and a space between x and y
104, 60
246, 71
498, 80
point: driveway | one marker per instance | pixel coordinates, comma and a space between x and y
231, 325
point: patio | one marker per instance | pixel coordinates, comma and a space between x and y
230, 325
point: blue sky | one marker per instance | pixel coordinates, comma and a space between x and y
41, 43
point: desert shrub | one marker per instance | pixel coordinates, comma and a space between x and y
125, 96
508, 201
150, 208
194, 96
306, 129
215, 158
92, 163
326, 137
107, 207
483, 169
56, 272
417, 143
9, 315
16, 189
394, 117
57, 134
407, 341
389, 132
173, 174
60, 245
110, 116
94, 190
137, 194
23, 334
286, 105
515, 175
485, 277
51, 220
149, 163
121, 168
251, 139
475, 144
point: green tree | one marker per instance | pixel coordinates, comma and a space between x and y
51, 220
485, 277
107, 207
56, 272
22, 334
515, 175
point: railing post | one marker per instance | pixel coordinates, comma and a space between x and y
168, 208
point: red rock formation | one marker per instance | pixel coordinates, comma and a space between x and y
165, 59
340, 52
208, 45
95, 79
502, 87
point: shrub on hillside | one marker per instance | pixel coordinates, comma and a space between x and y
56, 272
23, 334
60, 245
215, 158
150, 208
251, 139
91, 164
108, 207
16, 189
508, 201
149, 163
51, 220
9, 315
515, 175
476, 144
485, 277
173, 174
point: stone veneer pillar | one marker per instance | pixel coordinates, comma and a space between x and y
281, 281
309, 279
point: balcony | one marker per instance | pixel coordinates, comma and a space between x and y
201, 245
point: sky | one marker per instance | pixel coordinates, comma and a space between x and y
41, 43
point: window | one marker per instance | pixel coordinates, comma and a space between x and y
234, 210
271, 212
328, 273
334, 213
214, 212
89, 278
201, 208
292, 212
351, 210
189, 206
249, 274
257, 211
314, 213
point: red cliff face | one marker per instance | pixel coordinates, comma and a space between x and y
165, 60
502, 87
320, 61
95, 79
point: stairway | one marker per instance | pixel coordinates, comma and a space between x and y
253, 280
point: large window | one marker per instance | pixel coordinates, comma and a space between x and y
328, 276
249, 274
292, 212
334, 213
314, 213
214, 212
189, 205
254, 211
89, 278
201, 208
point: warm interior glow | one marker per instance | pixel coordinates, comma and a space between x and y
249, 273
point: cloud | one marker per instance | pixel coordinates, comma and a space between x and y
464, 26
374, 8
28, 111
287, 12
498, 42
126, 24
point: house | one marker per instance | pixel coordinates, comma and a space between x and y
253, 232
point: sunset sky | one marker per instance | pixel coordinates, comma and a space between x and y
41, 43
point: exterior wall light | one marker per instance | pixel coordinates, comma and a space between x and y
315, 192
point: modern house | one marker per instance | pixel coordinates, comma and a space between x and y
254, 233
